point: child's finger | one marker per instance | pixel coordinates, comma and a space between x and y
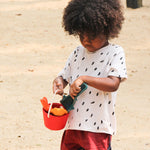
74, 92
73, 95
77, 90
59, 91
59, 87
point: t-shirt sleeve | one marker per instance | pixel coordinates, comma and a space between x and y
65, 72
118, 65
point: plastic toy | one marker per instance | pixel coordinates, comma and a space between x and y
68, 102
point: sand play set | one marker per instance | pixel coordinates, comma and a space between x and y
55, 115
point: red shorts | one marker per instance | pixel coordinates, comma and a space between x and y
84, 140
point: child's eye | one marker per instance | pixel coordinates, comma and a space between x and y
83, 38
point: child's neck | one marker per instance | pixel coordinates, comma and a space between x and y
102, 45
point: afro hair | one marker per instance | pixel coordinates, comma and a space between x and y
93, 17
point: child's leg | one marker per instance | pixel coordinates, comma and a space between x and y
77, 140
69, 141
95, 141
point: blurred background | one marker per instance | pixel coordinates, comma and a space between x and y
34, 48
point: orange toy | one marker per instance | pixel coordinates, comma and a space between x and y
58, 111
55, 111
45, 104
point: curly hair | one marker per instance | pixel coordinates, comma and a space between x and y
93, 17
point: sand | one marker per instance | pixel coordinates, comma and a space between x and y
34, 48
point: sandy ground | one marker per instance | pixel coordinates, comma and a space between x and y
34, 48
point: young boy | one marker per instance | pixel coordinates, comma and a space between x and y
99, 64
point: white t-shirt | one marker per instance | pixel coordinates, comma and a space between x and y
94, 109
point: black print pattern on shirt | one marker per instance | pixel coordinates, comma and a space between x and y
83, 103
95, 67
93, 63
86, 69
99, 74
101, 61
93, 102
91, 115
97, 94
114, 54
83, 58
87, 109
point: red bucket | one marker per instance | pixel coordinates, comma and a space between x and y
55, 122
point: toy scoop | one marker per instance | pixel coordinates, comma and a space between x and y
68, 102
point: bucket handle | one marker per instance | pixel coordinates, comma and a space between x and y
48, 114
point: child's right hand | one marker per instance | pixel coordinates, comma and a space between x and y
75, 87
58, 84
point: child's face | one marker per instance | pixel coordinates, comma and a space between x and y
93, 44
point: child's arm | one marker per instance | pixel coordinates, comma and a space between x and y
108, 84
59, 84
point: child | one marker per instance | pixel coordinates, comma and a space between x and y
99, 64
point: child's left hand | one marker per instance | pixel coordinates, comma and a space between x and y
75, 87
